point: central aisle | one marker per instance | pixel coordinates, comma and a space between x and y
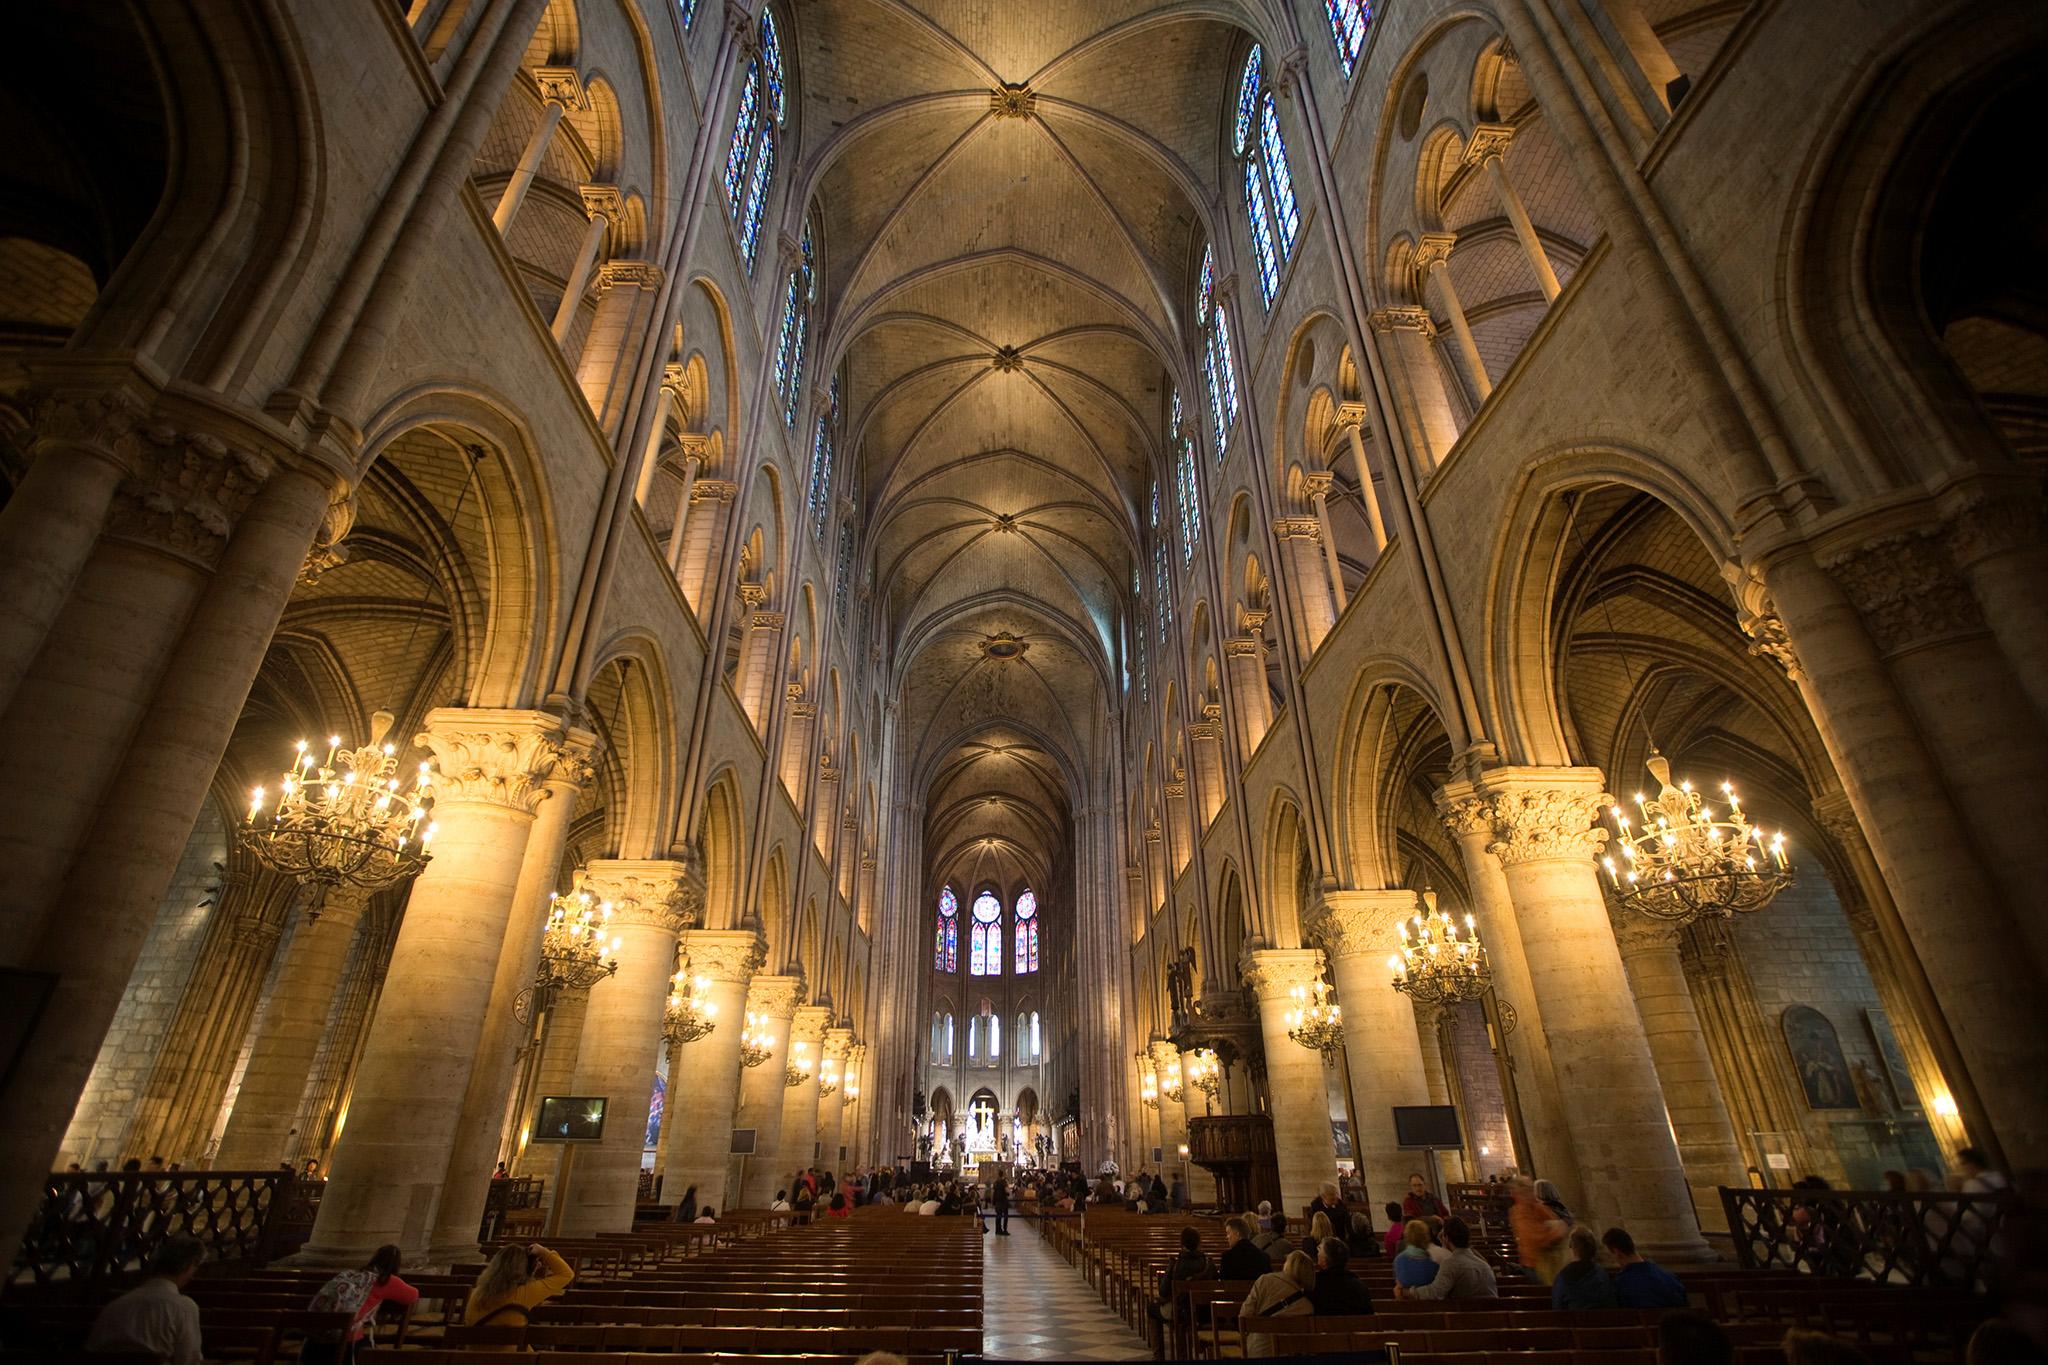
1034, 1306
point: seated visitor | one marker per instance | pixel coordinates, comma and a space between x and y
840, 1207
1414, 1265
1420, 1201
155, 1317
1583, 1282
515, 1282
1463, 1275
1281, 1294
1338, 1292
1397, 1229
1638, 1281
1242, 1259
1189, 1263
1273, 1241
359, 1293
707, 1214
779, 1204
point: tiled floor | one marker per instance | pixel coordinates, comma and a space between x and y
1037, 1307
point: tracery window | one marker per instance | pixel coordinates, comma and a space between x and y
1348, 21
797, 298
942, 1035
946, 945
840, 579
1027, 933
689, 9
1219, 366
1161, 578
819, 499
750, 161
1029, 1045
1185, 494
1268, 180
985, 954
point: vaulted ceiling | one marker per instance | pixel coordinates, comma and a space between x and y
1004, 275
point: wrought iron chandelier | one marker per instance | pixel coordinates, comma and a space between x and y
1148, 1087
828, 1078
1314, 1022
1436, 964
852, 1086
1204, 1073
345, 821
757, 1043
1685, 862
794, 1074
575, 953
1170, 1088
691, 1014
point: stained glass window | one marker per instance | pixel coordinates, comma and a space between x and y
1161, 600
1217, 425
1348, 21
771, 54
796, 321
986, 955
741, 155
786, 335
1027, 933
1037, 1042
1185, 494
845, 572
946, 956
1247, 103
819, 499
689, 9
1278, 174
1207, 289
995, 1037
1262, 233
1226, 365
757, 198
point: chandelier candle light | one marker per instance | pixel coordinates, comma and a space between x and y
757, 1043
1437, 964
1203, 1072
828, 1078
1684, 863
1314, 1022
575, 953
1170, 1088
690, 1015
1148, 1090
345, 821
794, 1074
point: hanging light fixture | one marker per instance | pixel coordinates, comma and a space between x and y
575, 952
828, 1077
1170, 1088
1314, 1022
691, 1013
1204, 1073
1148, 1087
794, 1074
346, 821
1685, 862
757, 1042
1437, 964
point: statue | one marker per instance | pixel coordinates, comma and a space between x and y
1180, 983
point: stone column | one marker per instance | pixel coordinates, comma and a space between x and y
325, 1102
772, 1001
628, 292
1319, 485
1358, 930
1245, 657
605, 207
1433, 259
391, 1165
1488, 149
759, 663
1306, 1154
561, 88
1544, 836
1351, 416
1543, 1139
480, 1136
259, 1131
692, 460
1685, 1069
697, 551
695, 1142
1193, 1105
652, 901
1996, 543
832, 1108
797, 1139
1307, 568
1173, 1114
1423, 404
796, 745
1205, 737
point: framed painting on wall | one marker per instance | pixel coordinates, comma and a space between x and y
1817, 1059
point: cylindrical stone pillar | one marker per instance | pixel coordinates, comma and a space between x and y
259, 1131
1545, 838
1685, 1068
391, 1164
796, 1142
528, 167
695, 1150
1173, 1114
1302, 1144
832, 1108
772, 1001
1358, 930
651, 903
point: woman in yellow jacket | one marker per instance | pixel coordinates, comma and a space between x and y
515, 1282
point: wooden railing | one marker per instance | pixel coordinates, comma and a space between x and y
507, 1196
96, 1226
1929, 1239
1238, 1150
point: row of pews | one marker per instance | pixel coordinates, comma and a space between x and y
1122, 1256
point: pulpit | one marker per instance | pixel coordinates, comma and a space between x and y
1238, 1150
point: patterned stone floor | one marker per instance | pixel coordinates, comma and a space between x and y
1037, 1307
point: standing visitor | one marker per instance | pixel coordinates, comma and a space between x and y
1000, 1197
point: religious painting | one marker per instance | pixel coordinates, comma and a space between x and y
1340, 1136
1817, 1059
1896, 1073
657, 1104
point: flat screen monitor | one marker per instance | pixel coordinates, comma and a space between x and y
570, 1118
1426, 1125
742, 1142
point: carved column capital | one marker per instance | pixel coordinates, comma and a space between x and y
642, 275
1907, 590
1360, 923
1165, 1056
560, 85
185, 491
1350, 415
1403, 318
1273, 973
1636, 933
775, 997
808, 1024
1319, 484
766, 620
491, 756
839, 1043
1983, 526
660, 893
1244, 647
1545, 813
1297, 528
731, 956
1464, 811
1489, 143
1433, 249
719, 491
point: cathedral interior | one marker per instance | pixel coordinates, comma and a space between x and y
953, 586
